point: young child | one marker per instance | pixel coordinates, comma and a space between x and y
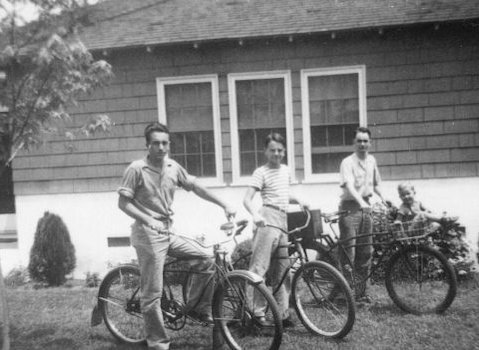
415, 215
272, 181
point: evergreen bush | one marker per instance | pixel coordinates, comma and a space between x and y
52, 256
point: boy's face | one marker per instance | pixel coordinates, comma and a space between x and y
274, 153
407, 195
362, 142
159, 145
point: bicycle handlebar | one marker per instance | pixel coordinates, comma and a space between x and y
228, 228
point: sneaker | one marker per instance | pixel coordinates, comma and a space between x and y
287, 323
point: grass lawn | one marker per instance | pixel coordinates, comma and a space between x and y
59, 318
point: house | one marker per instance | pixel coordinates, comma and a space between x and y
223, 73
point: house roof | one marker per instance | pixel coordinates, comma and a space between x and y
130, 23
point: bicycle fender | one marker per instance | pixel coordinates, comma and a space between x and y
254, 278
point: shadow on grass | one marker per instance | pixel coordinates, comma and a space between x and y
381, 309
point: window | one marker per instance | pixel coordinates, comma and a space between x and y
259, 104
189, 106
334, 105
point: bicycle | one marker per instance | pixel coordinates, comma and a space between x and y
418, 278
118, 301
312, 286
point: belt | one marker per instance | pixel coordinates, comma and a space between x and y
275, 207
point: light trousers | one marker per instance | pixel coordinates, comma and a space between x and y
270, 253
152, 249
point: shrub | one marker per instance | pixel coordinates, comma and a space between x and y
52, 255
17, 277
92, 280
242, 254
450, 240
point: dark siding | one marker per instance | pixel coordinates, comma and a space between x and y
422, 98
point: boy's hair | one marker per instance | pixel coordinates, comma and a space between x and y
274, 136
404, 186
362, 129
155, 127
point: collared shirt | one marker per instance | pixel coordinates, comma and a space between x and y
273, 183
153, 189
363, 174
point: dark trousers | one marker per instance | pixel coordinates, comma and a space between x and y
357, 225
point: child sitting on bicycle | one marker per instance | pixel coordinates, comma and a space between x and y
272, 181
414, 217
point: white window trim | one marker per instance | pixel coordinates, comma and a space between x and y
3, 76
213, 79
309, 177
288, 98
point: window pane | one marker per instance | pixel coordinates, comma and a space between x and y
335, 135
208, 142
248, 163
327, 162
177, 143
334, 116
247, 140
189, 115
193, 163
193, 142
261, 110
209, 165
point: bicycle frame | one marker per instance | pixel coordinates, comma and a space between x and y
341, 244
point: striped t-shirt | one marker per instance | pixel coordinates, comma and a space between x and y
273, 183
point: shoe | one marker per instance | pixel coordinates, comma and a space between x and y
199, 316
262, 322
287, 323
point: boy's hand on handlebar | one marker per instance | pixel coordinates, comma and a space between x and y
230, 212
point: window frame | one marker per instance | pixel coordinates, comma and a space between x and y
360, 70
237, 179
161, 82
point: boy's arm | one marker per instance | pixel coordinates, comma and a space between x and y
248, 204
128, 206
293, 199
206, 194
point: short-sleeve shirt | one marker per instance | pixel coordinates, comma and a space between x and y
363, 174
409, 212
153, 189
273, 184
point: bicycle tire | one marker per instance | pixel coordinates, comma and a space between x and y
323, 300
420, 280
233, 312
119, 304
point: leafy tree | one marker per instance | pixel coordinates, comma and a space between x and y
52, 256
46, 69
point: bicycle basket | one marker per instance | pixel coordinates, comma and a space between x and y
312, 231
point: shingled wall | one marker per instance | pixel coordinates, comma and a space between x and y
422, 101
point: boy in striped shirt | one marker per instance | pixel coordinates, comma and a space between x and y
272, 181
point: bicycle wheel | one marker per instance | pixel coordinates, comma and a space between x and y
420, 280
323, 300
119, 303
235, 302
